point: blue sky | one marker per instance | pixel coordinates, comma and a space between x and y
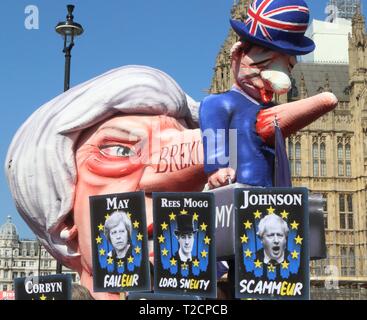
181, 38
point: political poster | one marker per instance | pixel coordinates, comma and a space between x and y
272, 253
119, 242
184, 244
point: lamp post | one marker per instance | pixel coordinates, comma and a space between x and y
39, 257
68, 30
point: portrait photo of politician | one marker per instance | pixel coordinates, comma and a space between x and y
185, 232
118, 229
273, 232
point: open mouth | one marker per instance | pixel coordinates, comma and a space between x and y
266, 95
276, 250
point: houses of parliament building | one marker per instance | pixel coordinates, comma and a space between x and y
329, 156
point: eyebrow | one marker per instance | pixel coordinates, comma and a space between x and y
121, 130
260, 62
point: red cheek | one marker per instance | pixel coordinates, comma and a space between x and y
113, 167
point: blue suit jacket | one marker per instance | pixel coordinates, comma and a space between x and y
235, 110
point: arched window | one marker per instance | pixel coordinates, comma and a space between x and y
350, 211
342, 211
340, 160
346, 215
323, 159
348, 169
291, 156
352, 262
315, 158
324, 198
344, 260
298, 159
294, 156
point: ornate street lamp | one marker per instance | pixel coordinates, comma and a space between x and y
68, 30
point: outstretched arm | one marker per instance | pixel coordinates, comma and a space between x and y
293, 116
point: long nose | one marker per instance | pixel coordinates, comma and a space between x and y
276, 76
278, 81
294, 116
176, 162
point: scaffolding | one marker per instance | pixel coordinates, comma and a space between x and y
345, 8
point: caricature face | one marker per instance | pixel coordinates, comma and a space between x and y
129, 153
119, 236
186, 242
274, 240
262, 72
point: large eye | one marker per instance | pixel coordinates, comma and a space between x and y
117, 151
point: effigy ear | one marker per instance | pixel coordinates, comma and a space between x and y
236, 50
239, 49
67, 233
236, 54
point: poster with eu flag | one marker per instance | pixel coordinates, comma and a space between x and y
184, 244
119, 242
272, 253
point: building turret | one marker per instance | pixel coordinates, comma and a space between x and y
358, 49
8, 230
223, 78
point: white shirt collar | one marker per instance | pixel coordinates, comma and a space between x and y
184, 257
234, 88
267, 258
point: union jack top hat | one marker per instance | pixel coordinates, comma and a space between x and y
279, 25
